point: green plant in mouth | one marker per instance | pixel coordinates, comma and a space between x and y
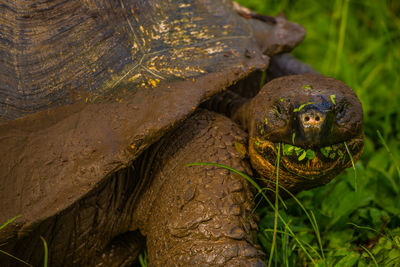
325, 151
289, 150
332, 151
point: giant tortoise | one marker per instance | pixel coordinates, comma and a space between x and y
103, 105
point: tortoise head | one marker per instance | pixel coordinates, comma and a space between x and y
313, 122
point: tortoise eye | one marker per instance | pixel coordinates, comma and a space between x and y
278, 110
341, 110
280, 113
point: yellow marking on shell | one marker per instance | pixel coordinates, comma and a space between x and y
134, 77
163, 27
197, 19
182, 20
155, 36
213, 50
153, 82
188, 14
205, 34
183, 5
187, 45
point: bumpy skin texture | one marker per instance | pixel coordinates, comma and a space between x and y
199, 215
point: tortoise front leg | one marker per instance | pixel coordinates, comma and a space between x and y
199, 215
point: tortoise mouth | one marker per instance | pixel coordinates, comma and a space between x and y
310, 163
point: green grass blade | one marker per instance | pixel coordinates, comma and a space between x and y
293, 236
388, 236
285, 245
15, 258
263, 78
280, 198
354, 166
370, 254
311, 219
276, 205
390, 154
342, 34
396, 240
317, 234
392, 262
6, 253
9, 221
278, 231
363, 227
46, 251
250, 180
143, 259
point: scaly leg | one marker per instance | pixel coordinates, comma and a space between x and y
199, 215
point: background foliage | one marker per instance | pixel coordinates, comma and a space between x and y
358, 42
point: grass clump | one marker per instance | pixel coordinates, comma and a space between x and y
357, 42
289, 150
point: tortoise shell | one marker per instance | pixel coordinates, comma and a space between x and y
87, 86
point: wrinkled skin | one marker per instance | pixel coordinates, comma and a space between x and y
199, 215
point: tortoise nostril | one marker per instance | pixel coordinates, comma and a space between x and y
306, 118
317, 118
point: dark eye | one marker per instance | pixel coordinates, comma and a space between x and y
278, 109
341, 110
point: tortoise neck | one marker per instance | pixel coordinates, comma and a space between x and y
231, 104
240, 113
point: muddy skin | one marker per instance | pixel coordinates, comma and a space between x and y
201, 215
307, 112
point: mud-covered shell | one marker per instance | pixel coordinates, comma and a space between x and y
86, 86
